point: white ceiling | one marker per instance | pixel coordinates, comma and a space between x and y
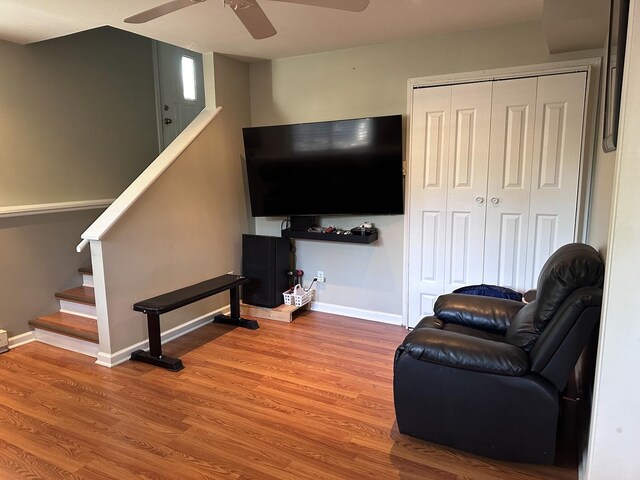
210, 26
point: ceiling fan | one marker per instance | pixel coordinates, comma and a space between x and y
248, 11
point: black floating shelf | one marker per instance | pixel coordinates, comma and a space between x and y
331, 237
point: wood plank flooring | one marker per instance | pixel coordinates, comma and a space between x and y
307, 400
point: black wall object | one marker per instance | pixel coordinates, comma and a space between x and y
265, 261
303, 223
340, 167
618, 20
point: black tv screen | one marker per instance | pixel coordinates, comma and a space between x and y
326, 168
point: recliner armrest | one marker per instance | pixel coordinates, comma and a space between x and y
466, 352
485, 313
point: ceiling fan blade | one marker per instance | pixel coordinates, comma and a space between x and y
160, 10
255, 20
348, 5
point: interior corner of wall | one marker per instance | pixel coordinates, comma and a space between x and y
209, 81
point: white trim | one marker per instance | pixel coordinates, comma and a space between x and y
588, 150
77, 308
57, 207
22, 339
121, 204
100, 295
67, 343
584, 191
372, 315
208, 72
505, 73
112, 359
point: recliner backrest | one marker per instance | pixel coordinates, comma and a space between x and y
558, 348
571, 267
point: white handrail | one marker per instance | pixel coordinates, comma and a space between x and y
57, 207
121, 204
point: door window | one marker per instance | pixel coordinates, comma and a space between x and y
188, 78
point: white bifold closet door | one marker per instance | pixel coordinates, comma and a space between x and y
493, 182
509, 182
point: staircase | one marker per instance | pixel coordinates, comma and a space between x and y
74, 326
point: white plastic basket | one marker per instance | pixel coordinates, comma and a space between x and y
297, 296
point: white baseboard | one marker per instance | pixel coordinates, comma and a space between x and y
112, 359
372, 315
22, 339
68, 343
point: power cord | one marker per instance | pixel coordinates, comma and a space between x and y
315, 279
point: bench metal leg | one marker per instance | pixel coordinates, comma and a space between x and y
234, 318
154, 355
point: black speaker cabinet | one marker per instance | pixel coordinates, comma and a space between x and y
265, 261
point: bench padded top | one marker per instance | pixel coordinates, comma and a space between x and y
184, 296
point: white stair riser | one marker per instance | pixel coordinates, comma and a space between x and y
67, 343
87, 280
82, 309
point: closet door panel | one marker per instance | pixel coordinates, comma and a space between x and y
430, 123
509, 181
493, 177
467, 184
556, 167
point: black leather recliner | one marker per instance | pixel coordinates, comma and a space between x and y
485, 374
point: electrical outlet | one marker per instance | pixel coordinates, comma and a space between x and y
320, 277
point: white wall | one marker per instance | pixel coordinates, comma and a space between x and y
615, 429
369, 81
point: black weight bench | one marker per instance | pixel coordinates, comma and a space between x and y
154, 307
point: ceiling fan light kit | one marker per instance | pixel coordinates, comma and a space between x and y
248, 12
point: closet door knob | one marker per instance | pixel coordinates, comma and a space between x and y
479, 200
495, 200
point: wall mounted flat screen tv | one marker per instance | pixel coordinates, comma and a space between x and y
342, 167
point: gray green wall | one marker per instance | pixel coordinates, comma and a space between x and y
37, 259
77, 122
78, 117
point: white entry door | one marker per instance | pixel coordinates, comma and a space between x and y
181, 85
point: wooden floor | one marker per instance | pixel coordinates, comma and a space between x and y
306, 400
